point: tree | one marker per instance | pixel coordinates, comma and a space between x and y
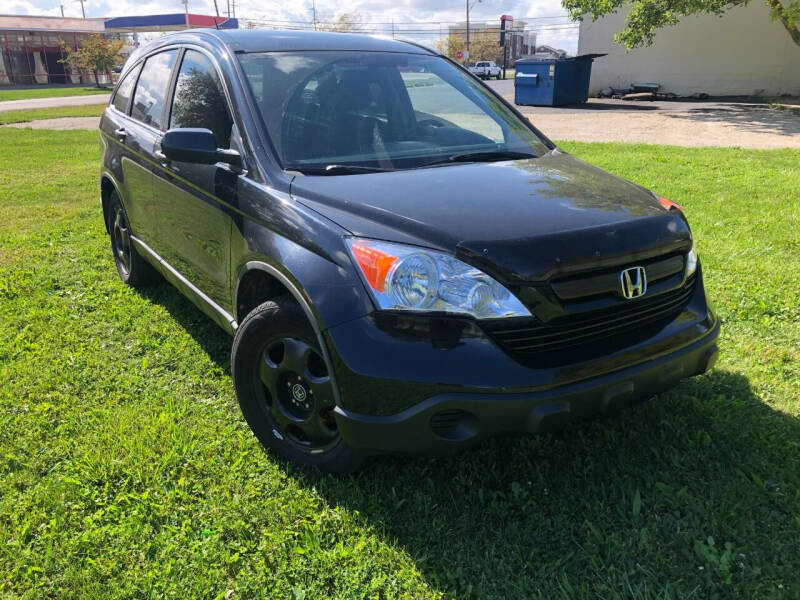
646, 16
344, 23
96, 53
199, 102
484, 44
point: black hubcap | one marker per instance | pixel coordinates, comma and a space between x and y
298, 394
122, 240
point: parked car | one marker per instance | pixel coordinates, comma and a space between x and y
403, 268
485, 69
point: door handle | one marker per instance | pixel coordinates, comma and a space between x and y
121, 134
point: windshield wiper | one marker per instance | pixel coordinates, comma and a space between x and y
484, 156
335, 169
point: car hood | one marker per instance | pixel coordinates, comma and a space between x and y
523, 220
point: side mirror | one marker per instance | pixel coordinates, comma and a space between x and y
196, 145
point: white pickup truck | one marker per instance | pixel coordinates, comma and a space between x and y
485, 69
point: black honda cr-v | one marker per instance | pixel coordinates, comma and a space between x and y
405, 263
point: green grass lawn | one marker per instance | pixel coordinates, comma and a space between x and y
27, 93
35, 114
126, 469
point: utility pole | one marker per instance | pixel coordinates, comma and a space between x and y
466, 56
62, 11
83, 10
233, 3
314, 13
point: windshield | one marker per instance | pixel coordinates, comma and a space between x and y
370, 111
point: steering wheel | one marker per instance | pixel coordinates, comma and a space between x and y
431, 122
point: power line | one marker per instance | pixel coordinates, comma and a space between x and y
421, 27
432, 23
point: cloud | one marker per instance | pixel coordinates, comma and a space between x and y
420, 20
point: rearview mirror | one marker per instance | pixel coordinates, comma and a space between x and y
196, 145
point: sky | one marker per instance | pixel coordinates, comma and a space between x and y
421, 19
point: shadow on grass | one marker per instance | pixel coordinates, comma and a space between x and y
214, 341
558, 514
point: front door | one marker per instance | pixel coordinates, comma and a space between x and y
194, 201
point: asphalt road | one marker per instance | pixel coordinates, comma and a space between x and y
53, 102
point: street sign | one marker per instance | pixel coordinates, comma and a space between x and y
459, 55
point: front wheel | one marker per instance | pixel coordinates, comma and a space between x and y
285, 390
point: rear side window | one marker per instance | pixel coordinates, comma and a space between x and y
148, 100
125, 89
199, 100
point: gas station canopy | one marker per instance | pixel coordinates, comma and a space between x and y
171, 22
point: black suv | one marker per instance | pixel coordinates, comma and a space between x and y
405, 263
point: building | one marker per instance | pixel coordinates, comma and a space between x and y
742, 53
31, 47
524, 43
545, 52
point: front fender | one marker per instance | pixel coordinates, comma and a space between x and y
303, 249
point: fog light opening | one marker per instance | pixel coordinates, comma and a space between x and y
454, 425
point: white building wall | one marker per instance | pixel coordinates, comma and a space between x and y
743, 52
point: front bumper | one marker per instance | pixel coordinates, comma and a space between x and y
450, 422
436, 386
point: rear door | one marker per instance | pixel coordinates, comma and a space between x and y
144, 129
194, 201
132, 175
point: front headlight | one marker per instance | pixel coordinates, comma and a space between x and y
691, 262
404, 277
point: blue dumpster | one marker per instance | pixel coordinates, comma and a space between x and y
553, 82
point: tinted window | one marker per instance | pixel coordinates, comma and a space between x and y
378, 109
124, 90
425, 92
148, 100
199, 101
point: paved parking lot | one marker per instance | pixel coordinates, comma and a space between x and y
679, 123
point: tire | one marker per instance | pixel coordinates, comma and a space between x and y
132, 268
284, 390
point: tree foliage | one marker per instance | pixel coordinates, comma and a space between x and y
97, 54
483, 45
199, 102
647, 16
344, 23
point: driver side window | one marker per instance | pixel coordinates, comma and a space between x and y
199, 100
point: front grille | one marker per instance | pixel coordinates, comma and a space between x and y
584, 335
663, 273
